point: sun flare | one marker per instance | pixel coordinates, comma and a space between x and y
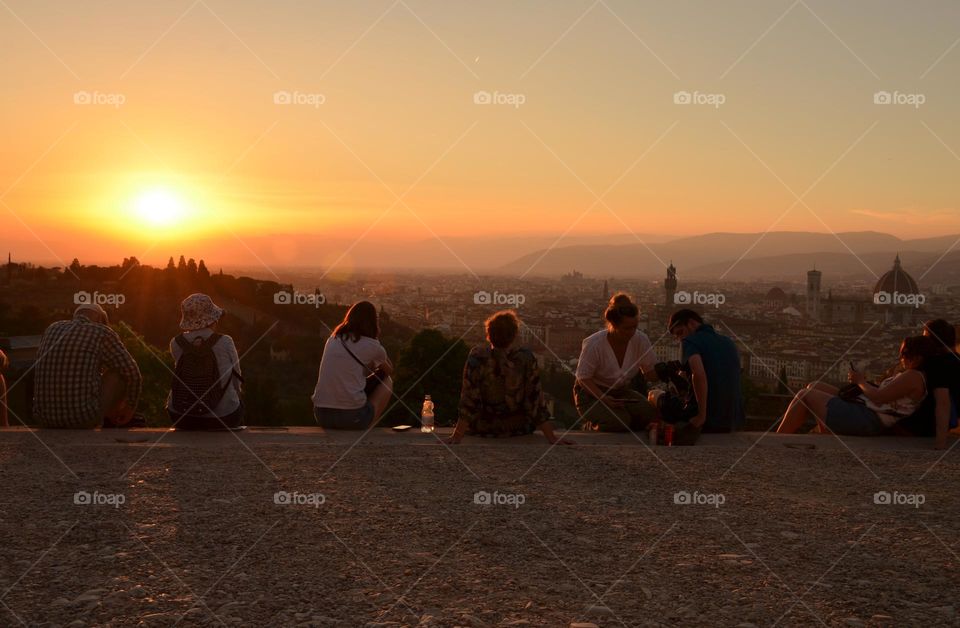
159, 207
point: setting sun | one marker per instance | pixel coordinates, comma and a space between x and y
159, 207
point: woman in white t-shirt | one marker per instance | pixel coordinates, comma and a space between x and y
344, 398
609, 360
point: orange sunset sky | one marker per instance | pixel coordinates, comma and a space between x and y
154, 128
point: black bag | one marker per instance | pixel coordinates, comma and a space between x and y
374, 377
196, 388
851, 393
677, 408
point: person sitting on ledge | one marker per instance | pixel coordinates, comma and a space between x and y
501, 394
713, 363
4, 364
864, 409
937, 415
205, 391
609, 361
354, 384
85, 377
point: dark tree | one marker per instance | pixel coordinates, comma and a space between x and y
202, 270
432, 364
182, 264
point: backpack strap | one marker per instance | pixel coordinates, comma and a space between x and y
183, 343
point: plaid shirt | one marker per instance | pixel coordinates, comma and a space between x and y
73, 356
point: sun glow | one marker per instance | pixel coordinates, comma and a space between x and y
159, 207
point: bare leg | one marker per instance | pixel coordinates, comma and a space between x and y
809, 401
381, 397
827, 388
795, 415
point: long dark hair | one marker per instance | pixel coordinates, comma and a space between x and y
360, 320
919, 348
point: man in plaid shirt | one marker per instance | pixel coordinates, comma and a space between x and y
85, 377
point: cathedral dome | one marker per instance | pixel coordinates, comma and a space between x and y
896, 280
776, 295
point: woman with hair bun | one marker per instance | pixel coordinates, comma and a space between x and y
609, 361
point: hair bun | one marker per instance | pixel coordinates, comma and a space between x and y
620, 306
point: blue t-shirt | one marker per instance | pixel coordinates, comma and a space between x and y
721, 361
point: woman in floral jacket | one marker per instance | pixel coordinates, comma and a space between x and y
501, 393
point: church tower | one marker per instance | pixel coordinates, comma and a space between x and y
670, 285
813, 294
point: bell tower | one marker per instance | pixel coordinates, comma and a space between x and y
670, 285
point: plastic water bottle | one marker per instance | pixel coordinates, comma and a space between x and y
426, 415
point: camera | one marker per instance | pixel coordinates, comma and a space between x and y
678, 402
675, 374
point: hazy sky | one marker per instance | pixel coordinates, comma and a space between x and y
131, 125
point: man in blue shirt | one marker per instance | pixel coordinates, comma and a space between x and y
714, 365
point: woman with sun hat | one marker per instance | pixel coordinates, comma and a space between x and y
205, 393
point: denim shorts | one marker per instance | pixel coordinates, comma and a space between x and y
337, 419
852, 419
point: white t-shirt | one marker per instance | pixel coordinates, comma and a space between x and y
341, 380
227, 361
599, 363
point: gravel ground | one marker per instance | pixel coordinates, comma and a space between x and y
590, 535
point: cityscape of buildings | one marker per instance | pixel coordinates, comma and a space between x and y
788, 333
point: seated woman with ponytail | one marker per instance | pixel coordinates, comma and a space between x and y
501, 393
609, 361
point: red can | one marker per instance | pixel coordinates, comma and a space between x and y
668, 435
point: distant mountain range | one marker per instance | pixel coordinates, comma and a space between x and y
779, 255
754, 256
